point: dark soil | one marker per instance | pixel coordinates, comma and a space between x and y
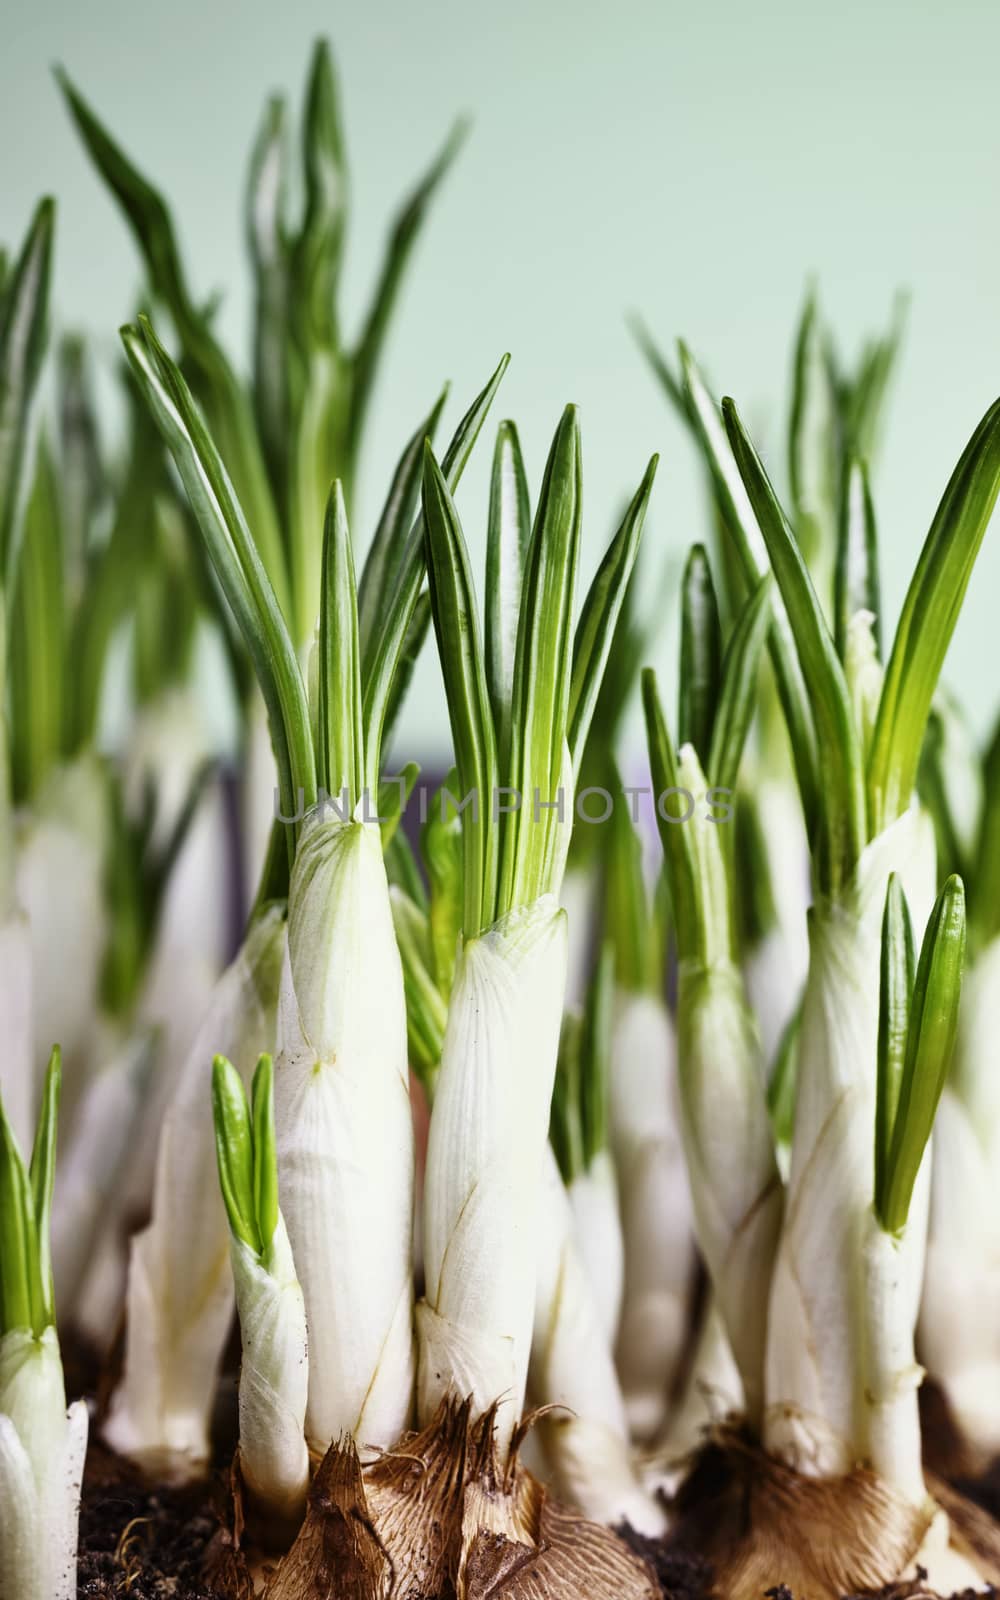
145, 1543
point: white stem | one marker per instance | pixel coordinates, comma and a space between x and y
571, 1366
655, 1205
735, 1184
274, 1378
345, 1134
488, 1137
712, 1390
42, 1448
597, 1227
180, 1293
892, 1273
816, 1417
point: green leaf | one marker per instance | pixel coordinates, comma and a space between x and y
542, 673
42, 1175
402, 239
930, 1043
393, 799
426, 1007
227, 407
595, 1056
382, 564
701, 653
441, 842
812, 450
985, 881
600, 616
234, 1148
403, 869
235, 559
930, 612
895, 989
319, 247
269, 253
507, 538
736, 514
265, 1153
24, 313
341, 729
456, 624
671, 385
38, 646
783, 1082
857, 580
628, 923
565, 1131
842, 831
113, 573
863, 400
83, 481
18, 1255
389, 642
679, 860
737, 691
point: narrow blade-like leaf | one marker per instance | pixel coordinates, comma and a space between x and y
602, 611
930, 612
265, 1154
341, 755
929, 1048
24, 317
701, 653
842, 835
456, 624
507, 538
857, 579
895, 989
737, 694
234, 1151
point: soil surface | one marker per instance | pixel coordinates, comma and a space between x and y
145, 1543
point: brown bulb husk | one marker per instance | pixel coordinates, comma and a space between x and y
760, 1525
440, 1517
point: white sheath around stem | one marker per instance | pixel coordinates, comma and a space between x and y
655, 1206
259, 780
274, 1377
597, 1228
344, 1133
42, 1446
712, 1391
90, 1168
892, 1268
180, 1293
815, 1417
572, 1366
737, 1198
959, 1328
578, 898
17, 1068
487, 1143
59, 884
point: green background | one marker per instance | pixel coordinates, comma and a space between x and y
699, 163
